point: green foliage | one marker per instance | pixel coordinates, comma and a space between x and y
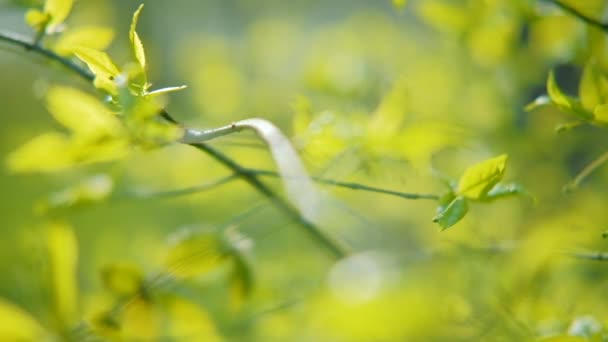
375, 94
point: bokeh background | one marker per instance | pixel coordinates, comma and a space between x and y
369, 93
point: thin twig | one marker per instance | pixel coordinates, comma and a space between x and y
597, 256
573, 11
185, 191
353, 186
337, 249
594, 165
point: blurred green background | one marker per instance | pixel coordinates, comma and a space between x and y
368, 93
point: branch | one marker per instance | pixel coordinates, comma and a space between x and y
353, 186
185, 191
573, 11
594, 165
337, 249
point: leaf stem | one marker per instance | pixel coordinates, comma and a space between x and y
573, 11
594, 165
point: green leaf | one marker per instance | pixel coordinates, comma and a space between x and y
601, 113
92, 37
138, 47
91, 190
122, 279
193, 253
37, 19
63, 259
19, 325
84, 115
101, 66
593, 88
506, 190
45, 153
563, 101
58, 11
454, 212
477, 180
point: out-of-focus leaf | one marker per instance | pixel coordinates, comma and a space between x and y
188, 321
91, 190
601, 113
563, 101
63, 260
101, 66
138, 47
122, 279
36, 19
478, 179
18, 325
568, 126
45, 153
58, 11
399, 4
81, 113
593, 88
142, 321
453, 213
92, 37
193, 253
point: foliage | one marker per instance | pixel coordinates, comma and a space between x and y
124, 222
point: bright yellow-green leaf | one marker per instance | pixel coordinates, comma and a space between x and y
36, 19
18, 325
101, 66
142, 321
477, 180
601, 113
399, 3
81, 113
63, 260
92, 37
593, 88
138, 47
46, 153
58, 10
195, 254
564, 101
122, 279
188, 321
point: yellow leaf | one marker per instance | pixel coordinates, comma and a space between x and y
122, 279
82, 113
142, 321
188, 321
18, 325
601, 113
46, 153
63, 259
194, 254
101, 66
36, 19
478, 179
138, 47
593, 88
92, 37
59, 11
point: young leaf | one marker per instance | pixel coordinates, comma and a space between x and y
58, 11
539, 102
91, 190
101, 66
564, 101
454, 212
84, 115
477, 180
37, 19
195, 253
92, 37
45, 153
593, 88
505, 190
122, 279
138, 47
18, 325
63, 258
601, 114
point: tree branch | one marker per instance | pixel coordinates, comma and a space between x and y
573, 11
337, 249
